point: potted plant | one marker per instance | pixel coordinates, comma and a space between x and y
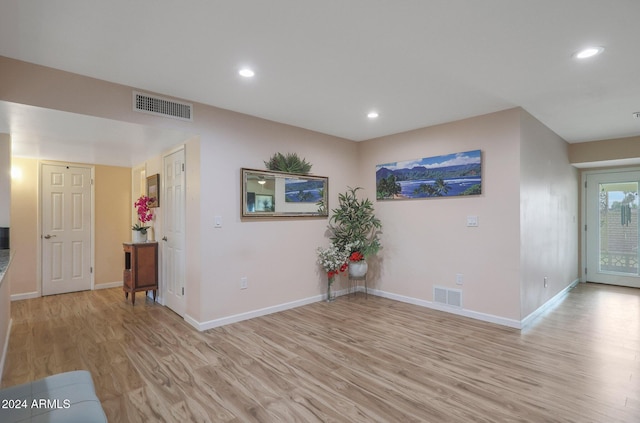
355, 229
289, 163
144, 215
334, 261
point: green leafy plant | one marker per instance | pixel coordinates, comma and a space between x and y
289, 163
354, 226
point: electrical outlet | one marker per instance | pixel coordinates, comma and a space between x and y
546, 282
244, 284
459, 279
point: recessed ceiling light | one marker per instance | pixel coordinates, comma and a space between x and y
372, 115
246, 72
588, 52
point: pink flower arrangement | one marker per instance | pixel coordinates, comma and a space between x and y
144, 213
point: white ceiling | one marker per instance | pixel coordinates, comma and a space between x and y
323, 65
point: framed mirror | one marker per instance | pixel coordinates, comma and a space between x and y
274, 194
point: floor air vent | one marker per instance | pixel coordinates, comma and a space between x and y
450, 297
162, 107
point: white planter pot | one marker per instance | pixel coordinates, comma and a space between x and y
138, 237
357, 269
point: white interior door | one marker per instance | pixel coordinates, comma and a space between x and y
66, 229
612, 228
173, 258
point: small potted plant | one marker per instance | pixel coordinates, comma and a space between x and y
355, 229
289, 163
139, 230
334, 261
357, 264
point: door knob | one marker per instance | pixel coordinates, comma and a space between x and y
164, 238
49, 236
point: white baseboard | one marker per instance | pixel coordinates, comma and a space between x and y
36, 294
210, 324
490, 318
453, 310
116, 284
25, 296
202, 326
4, 350
546, 306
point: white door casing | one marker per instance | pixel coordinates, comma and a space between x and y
66, 228
611, 216
173, 240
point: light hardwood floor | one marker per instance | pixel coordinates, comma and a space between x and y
354, 360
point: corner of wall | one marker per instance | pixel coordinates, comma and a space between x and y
548, 215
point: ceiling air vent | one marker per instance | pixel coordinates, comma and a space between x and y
162, 106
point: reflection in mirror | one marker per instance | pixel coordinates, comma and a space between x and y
267, 193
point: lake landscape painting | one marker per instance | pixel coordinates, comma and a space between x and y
303, 190
440, 176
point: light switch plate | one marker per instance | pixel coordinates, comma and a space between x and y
217, 221
472, 221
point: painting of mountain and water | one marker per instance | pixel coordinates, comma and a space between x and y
440, 176
303, 190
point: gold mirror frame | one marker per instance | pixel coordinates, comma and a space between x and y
278, 194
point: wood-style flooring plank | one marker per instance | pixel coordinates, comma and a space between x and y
354, 360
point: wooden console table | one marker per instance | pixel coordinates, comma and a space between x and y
140, 269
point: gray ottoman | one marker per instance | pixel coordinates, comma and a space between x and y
63, 398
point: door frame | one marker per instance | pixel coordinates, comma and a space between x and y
583, 212
39, 259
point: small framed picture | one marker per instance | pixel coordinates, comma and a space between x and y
264, 203
153, 190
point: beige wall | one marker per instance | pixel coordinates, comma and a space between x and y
5, 200
426, 241
5, 316
24, 228
605, 150
527, 214
548, 215
5, 178
277, 256
112, 227
194, 280
112, 188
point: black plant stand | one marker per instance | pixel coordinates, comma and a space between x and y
353, 285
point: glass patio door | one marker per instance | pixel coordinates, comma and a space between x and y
612, 228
